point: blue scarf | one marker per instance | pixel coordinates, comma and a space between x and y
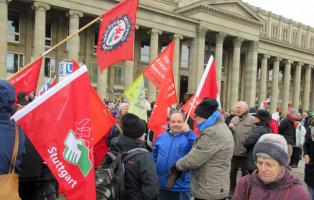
210, 121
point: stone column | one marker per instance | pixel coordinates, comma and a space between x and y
40, 34
296, 89
237, 42
274, 85
307, 85
263, 80
74, 43
192, 66
102, 83
153, 52
176, 62
286, 87
312, 90
3, 37
251, 70
220, 37
129, 73
199, 68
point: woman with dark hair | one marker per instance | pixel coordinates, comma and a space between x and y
262, 118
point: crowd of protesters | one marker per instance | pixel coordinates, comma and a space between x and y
199, 160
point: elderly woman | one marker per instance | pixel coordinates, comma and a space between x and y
272, 180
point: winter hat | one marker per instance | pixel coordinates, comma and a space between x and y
263, 115
273, 145
293, 111
7, 96
206, 108
132, 125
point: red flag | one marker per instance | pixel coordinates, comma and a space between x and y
207, 88
58, 123
27, 79
158, 119
160, 73
75, 66
116, 34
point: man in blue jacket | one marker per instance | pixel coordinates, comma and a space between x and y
7, 129
168, 148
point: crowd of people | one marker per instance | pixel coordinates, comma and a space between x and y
200, 159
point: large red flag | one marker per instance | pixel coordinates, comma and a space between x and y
58, 123
75, 66
27, 79
116, 34
160, 73
207, 88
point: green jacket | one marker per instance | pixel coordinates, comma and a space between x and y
209, 162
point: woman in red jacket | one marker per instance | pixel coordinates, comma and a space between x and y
271, 180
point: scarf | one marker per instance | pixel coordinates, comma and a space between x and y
295, 123
209, 121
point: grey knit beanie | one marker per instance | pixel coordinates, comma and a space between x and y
273, 145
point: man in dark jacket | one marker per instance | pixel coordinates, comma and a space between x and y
309, 159
140, 178
168, 148
262, 118
7, 129
287, 128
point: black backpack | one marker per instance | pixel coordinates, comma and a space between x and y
110, 175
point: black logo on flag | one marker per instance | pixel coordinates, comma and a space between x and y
116, 34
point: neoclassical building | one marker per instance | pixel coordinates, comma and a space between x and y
258, 54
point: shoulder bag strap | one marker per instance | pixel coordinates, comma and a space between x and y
249, 188
15, 150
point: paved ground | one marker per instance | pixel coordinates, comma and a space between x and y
297, 171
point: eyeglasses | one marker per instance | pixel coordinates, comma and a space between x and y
267, 165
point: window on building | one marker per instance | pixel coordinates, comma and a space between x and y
294, 37
96, 32
303, 40
50, 67
274, 31
119, 75
13, 27
48, 37
185, 55
145, 53
312, 43
285, 34
15, 62
263, 29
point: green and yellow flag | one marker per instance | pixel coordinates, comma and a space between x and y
136, 95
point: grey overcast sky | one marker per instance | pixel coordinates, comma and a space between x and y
297, 10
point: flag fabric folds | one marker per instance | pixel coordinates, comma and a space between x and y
58, 123
160, 73
136, 95
116, 34
207, 88
27, 79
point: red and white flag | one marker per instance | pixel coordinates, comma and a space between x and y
160, 73
27, 79
207, 88
59, 125
116, 34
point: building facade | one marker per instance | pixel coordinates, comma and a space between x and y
258, 54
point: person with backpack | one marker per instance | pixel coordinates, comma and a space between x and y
272, 180
140, 176
167, 149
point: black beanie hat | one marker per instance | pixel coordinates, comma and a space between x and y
132, 125
206, 108
263, 115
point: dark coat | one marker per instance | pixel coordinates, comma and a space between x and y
7, 139
140, 178
251, 140
287, 130
308, 148
272, 191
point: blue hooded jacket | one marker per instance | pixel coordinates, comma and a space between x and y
7, 129
167, 149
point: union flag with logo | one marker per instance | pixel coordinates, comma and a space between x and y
116, 34
59, 125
